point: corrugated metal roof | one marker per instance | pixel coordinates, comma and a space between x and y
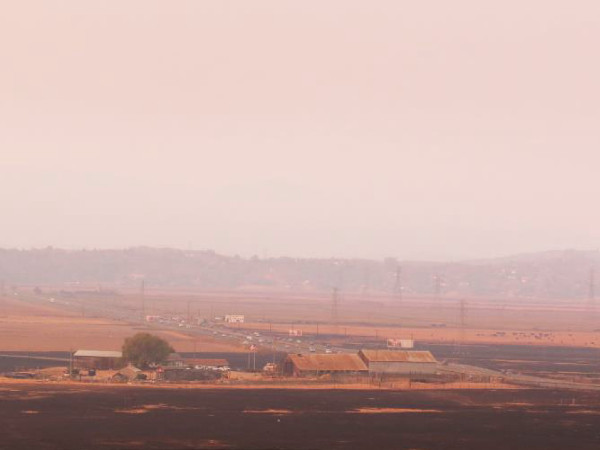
335, 362
98, 353
398, 356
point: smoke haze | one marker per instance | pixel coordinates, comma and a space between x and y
421, 130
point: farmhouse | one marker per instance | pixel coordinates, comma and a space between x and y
399, 361
96, 359
317, 364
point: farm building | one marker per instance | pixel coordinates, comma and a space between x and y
317, 364
400, 343
234, 318
399, 361
96, 359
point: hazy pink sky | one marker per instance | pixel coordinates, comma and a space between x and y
415, 129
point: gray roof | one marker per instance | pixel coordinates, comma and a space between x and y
412, 356
98, 353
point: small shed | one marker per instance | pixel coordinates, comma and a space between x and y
97, 359
318, 364
399, 361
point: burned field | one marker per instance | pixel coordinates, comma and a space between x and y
98, 417
574, 363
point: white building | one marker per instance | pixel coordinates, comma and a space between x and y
234, 318
400, 343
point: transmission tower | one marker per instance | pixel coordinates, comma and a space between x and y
2, 295
143, 298
398, 283
592, 290
437, 285
367, 282
334, 306
462, 312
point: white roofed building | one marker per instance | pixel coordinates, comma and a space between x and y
97, 359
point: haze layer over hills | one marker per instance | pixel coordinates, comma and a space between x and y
559, 274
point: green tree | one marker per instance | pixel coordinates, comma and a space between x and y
143, 349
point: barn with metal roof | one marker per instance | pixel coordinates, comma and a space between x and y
399, 361
97, 359
318, 364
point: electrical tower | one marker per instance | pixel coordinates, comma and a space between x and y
398, 283
592, 290
334, 306
462, 313
143, 298
367, 282
2, 295
437, 284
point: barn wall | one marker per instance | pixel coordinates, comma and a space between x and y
401, 367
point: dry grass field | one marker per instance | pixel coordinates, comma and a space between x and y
31, 327
43, 326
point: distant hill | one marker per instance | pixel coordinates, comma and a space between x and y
556, 274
